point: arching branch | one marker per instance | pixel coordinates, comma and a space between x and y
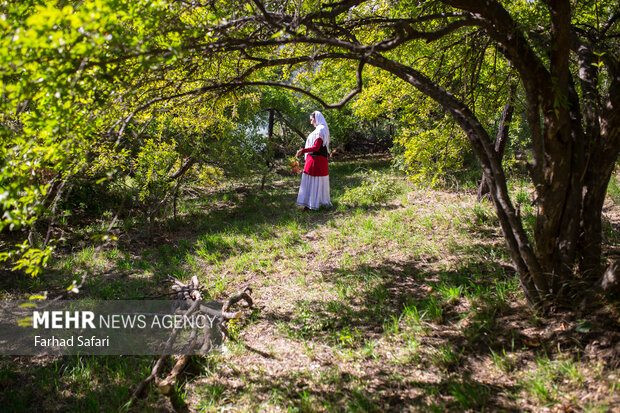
530, 273
326, 105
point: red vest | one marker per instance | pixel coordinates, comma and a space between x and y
316, 165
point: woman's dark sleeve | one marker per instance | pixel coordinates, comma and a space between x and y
317, 145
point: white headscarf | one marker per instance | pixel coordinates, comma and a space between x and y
321, 131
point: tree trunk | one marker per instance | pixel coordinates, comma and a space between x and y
602, 128
574, 144
268, 162
502, 138
533, 280
270, 126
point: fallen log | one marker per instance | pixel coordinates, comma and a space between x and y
189, 301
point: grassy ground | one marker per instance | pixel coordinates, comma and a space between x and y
396, 299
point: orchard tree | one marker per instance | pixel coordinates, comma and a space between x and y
85, 100
564, 56
566, 62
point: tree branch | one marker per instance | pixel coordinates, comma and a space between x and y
326, 105
500, 26
290, 124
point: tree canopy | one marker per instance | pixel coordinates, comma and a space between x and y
87, 84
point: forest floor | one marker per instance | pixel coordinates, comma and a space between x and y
398, 298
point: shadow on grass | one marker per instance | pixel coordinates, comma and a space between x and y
74, 383
372, 297
392, 301
340, 391
454, 319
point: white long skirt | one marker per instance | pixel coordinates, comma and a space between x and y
313, 191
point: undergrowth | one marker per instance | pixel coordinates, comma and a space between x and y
399, 298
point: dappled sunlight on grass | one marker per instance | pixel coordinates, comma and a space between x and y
407, 301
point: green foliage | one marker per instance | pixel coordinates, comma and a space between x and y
613, 190
502, 361
85, 110
30, 259
151, 167
446, 358
470, 396
102, 383
428, 150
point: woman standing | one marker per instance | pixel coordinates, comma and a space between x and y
314, 189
